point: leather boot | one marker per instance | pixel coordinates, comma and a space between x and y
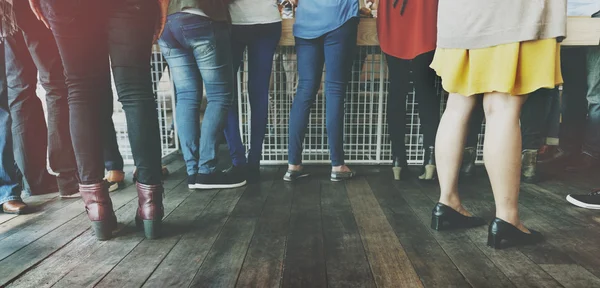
467, 168
529, 166
150, 211
429, 172
99, 209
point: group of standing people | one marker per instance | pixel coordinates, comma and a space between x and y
495, 56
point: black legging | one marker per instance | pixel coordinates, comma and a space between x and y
426, 96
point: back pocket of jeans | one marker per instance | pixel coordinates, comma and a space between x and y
199, 36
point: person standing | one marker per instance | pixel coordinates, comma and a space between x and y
520, 56
407, 34
124, 32
10, 190
325, 34
256, 27
197, 46
582, 82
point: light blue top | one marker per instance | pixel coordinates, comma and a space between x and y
314, 18
583, 7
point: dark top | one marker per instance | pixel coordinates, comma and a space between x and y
217, 10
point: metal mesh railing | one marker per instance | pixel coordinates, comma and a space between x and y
366, 139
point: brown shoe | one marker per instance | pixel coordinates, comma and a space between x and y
99, 209
150, 210
115, 180
14, 207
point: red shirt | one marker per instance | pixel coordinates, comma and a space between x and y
408, 35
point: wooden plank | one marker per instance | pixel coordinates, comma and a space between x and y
305, 256
37, 204
476, 267
16, 224
20, 261
512, 262
224, 261
263, 265
187, 255
433, 265
138, 265
347, 264
581, 31
107, 255
389, 263
572, 276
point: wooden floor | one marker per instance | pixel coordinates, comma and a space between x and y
367, 232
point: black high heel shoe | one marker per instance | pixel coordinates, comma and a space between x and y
501, 230
429, 169
445, 218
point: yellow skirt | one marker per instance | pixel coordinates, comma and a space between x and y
516, 68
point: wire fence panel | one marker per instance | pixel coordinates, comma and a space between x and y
366, 138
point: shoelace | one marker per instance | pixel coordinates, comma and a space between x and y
595, 193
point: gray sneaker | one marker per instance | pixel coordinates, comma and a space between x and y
340, 176
293, 175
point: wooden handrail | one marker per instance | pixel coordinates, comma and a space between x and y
581, 31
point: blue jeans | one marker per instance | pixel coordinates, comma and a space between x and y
335, 49
261, 41
9, 187
198, 49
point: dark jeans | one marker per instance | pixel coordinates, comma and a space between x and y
29, 51
88, 32
336, 50
580, 128
423, 78
536, 118
261, 41
199, 49
9, 186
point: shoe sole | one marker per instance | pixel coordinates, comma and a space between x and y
582, 204
72, 196
288, 179
217, 186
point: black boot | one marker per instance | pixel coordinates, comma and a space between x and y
529, 166
467, 168
429, 172
400, 168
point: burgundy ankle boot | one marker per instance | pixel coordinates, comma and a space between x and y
150, 211
99, 209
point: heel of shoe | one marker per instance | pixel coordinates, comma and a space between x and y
397, 172
437, 223
429, 173
494, 241
103, 229
152, 228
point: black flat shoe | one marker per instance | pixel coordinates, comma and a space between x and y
501, 230
445, 218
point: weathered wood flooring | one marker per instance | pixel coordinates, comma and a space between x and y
368, 232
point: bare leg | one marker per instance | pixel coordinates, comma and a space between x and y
502, 152
449, 147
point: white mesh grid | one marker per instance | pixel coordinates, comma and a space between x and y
366, 139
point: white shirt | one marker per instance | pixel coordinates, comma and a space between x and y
250, 12
583, 7
195, 11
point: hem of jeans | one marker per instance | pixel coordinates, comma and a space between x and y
11, 198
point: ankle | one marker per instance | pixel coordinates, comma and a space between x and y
295, 167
